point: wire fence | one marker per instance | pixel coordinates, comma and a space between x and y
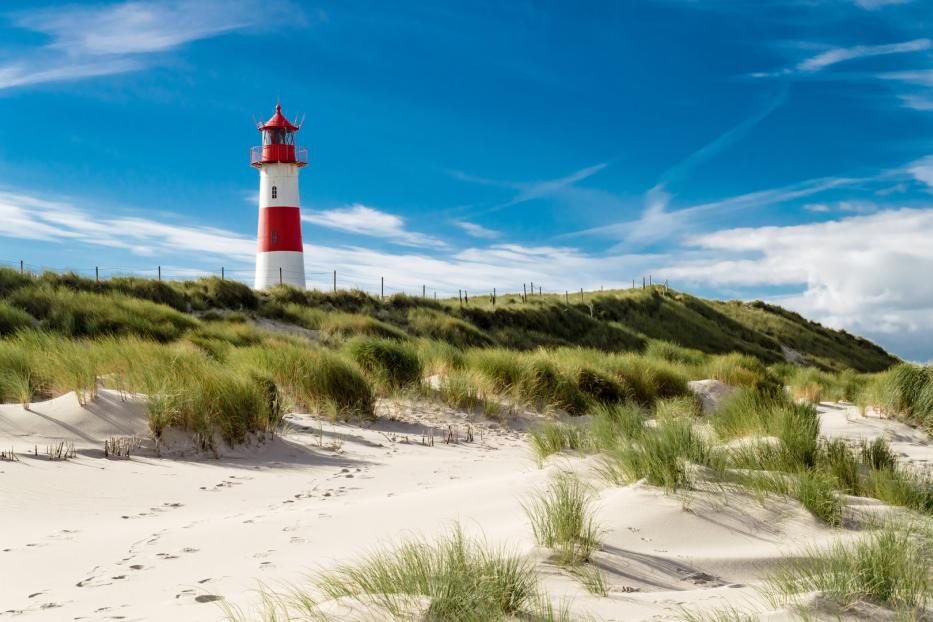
328, 281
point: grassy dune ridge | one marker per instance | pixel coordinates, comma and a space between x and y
184, 342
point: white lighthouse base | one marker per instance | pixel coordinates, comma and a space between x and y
285, 267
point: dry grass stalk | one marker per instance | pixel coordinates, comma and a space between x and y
121, 446
62, 451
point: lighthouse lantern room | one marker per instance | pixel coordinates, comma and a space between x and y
279, 252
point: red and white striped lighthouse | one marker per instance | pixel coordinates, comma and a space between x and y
279, 253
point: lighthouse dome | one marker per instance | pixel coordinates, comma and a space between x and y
279, 122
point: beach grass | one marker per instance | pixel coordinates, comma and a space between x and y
889, 567
562, 519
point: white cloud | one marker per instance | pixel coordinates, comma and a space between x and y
917, 102
98, 40
922, 77
817, 207
365, 220
864, 273
26, 217
838, 55
855, 207
477, 231
187, 245
922, 170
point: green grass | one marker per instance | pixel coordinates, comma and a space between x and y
905, 391
314, 378
62, 332
461, 579
615, 423
341, 326
889, 567
552, 437
13, 319
440, 326
661, 454
816, 492
562, 519
455, 578
391, 364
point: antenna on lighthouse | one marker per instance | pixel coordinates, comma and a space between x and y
302, 122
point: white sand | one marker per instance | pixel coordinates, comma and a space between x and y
149, 538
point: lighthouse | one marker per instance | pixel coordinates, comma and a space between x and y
279, 253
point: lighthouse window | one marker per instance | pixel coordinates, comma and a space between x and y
275, 192
275, 237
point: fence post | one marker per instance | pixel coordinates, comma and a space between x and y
382, 288
539, 290
280, 275
583, 300
97, 273
633, 283
460, 296
532, 288
524, 293
335, 281
222, 276
424, 292
567, 297
649, 280
643, 282
20, 266
159, 268
494, 296
435, 295
466, 297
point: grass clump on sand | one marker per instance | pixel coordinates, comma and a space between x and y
661, 454
905, 391
206, 399
391, 364
562, 519
551, 437
314, 378
889, 567
455, 578
532, 379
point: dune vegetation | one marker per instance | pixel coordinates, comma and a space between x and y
607, 372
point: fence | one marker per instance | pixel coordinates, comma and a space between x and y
329, 281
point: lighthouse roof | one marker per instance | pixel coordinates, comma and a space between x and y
277, 121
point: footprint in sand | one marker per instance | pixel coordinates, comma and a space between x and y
208, 598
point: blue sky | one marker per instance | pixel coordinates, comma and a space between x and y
777, 149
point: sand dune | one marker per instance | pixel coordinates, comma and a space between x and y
162, 538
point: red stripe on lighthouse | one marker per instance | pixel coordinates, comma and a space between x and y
279, 229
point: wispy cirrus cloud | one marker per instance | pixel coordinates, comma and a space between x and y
99, 40
363, 220
29, 217
831, 56
840, 55
477, 231
564, 189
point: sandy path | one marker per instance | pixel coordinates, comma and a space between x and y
159, 538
